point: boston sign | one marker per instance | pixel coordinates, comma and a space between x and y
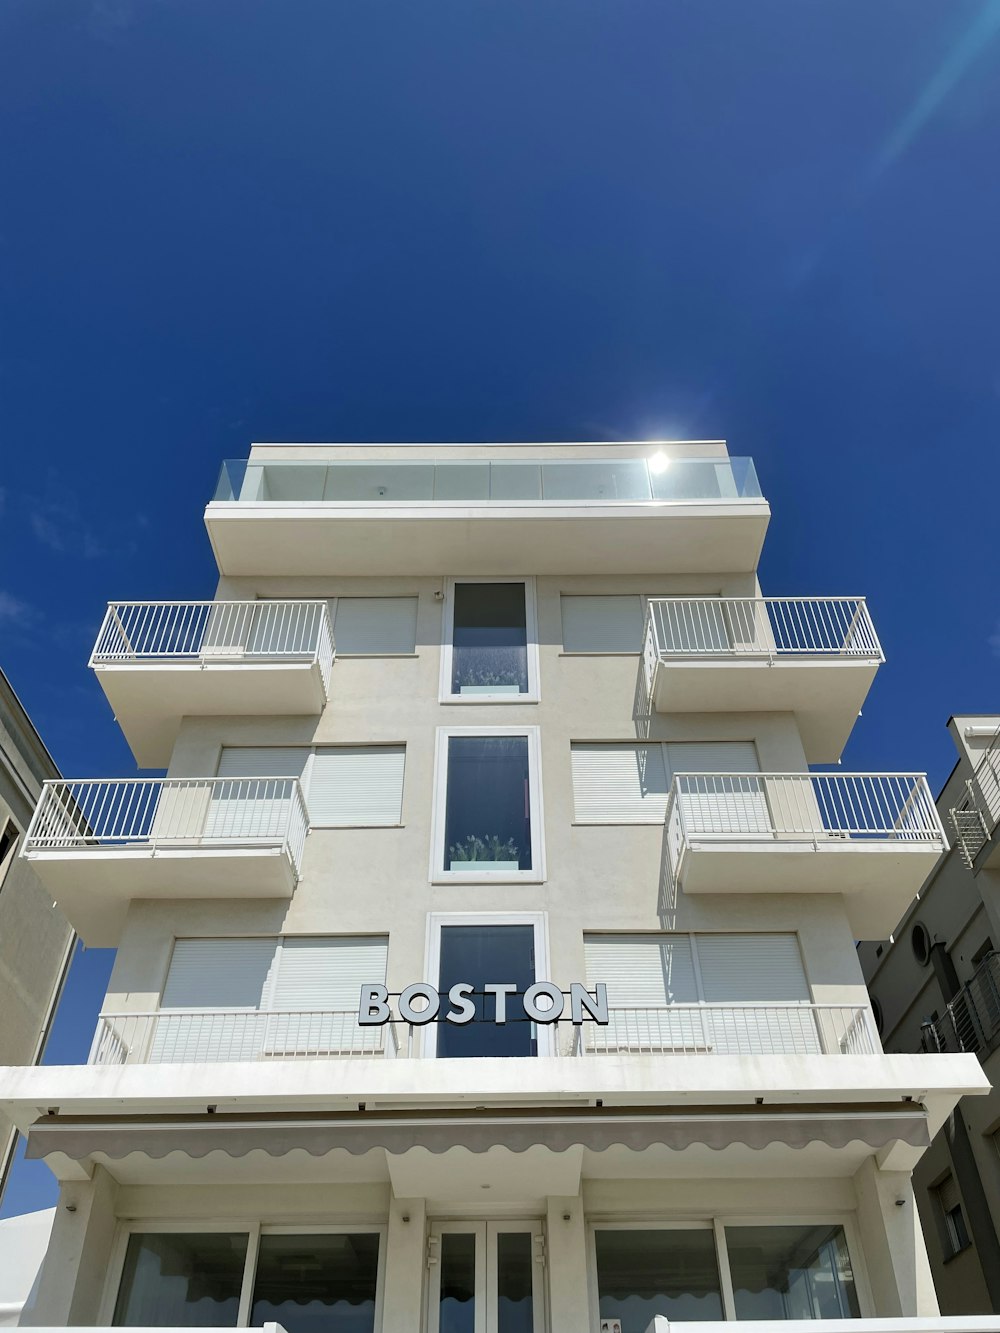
543, 1002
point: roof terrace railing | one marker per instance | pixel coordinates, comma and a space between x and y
262, 632
472, 481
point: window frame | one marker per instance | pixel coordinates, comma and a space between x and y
546, 1035
533, 694
254, 1229
717, 1222
439, 810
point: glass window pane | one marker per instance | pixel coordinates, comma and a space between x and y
641, 1274
481, 955
181, 1280
308, 1283
488, 814
796, 1272
515, 1307
457, 1301
490, 639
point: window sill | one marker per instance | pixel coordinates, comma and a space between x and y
954, 1254
498, 878
475, 699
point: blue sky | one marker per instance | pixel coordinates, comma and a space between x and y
499, 220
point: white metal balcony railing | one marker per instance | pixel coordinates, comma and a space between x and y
856, 807
771, 628
262, 632
728, 1029
977, 815
169, 813
224, 1035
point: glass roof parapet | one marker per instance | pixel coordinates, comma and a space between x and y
473, 481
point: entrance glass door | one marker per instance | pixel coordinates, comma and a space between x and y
486, 1277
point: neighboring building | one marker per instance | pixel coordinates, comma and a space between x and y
559, 762
23, 1242
36, 943
936, 986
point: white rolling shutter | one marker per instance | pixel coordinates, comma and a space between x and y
243, 807
721, 805
645, 976
619, 783
762, 971
360, 785
377, 625
230, 974
321, 979
604, 624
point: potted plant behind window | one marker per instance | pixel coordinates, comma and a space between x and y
489, 854
490, 670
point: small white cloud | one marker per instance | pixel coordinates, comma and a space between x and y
16, 613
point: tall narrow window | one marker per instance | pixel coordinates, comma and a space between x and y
490, 643
487, 821
484, 956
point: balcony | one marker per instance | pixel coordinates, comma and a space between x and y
159, 662
977, 816
225, 1035
813, 657
727, 1029
972, 1019
696, 512
873, 837
96, 845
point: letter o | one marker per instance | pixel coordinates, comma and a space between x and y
418, 1016
531, 996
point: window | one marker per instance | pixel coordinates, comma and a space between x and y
8, 842
980, 956
602, 624
658, 984
621, 782
307, 988
490, 651
951, 1217
317, 1284
345, 786
487, 815
181, 1280
488, 949
307, 1282
374, 626
672, 1272
791, 1272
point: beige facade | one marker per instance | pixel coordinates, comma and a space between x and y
35, 939
936, 982
749, 1107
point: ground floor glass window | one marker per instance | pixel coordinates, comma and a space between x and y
305, 1282
791, 1272
182, 1280
662, 1271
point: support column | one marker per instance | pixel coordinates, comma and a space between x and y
566, 1265
71, 1282
405, 1266
893, 1243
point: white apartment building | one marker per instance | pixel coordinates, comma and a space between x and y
470, 738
